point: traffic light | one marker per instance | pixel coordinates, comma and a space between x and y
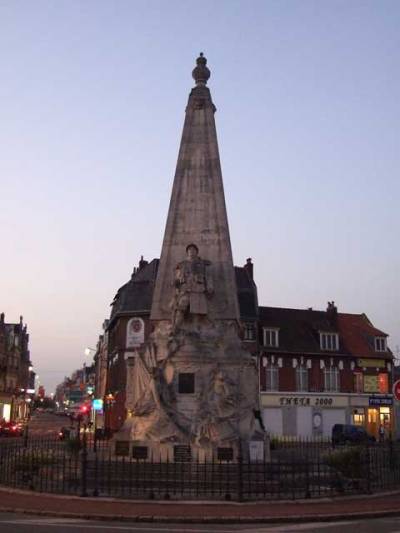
84, 409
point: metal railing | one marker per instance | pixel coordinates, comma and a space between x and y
297, 469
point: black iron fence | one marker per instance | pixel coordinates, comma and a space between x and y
296, 469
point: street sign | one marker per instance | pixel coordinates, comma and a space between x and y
396, 389
97, 404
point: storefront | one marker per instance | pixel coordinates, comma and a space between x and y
314, 414
373, 411
5, 408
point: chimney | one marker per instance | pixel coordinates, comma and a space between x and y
249, 267
142, 263
331, 311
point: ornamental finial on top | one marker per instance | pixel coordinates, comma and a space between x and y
201, 73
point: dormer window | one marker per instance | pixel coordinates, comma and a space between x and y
329, 341
249, 333
380, 344
271, 337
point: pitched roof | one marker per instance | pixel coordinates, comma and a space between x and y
299, 331
359, 335
137, 294
247, 294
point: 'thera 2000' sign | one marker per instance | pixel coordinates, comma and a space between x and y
303, 401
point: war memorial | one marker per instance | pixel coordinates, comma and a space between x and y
192, 389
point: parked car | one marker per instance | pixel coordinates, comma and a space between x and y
349, 434
11, 429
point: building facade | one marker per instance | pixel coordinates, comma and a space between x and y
15, 370
320, 368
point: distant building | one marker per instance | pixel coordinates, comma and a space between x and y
14, 370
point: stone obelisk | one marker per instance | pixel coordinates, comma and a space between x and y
197, 212
193, 389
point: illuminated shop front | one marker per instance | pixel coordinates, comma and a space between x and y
314, 414
5, 411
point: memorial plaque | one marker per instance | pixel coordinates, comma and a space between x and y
122, 448
225, 454
182, 454
139, 452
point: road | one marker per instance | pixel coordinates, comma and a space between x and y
16, 523
46, 424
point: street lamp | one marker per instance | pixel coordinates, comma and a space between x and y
88, 350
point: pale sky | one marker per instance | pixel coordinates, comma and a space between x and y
92, 100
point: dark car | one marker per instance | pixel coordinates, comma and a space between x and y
349, 434
11, 429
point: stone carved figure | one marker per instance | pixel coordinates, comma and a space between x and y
151, 403
193, 287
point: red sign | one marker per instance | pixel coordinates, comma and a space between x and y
396, 389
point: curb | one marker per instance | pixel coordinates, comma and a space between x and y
207, 520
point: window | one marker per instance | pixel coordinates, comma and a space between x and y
358, 418
358, 382
302, 378
249, 332
271, 337
271, 378
331, 379
186, 383
380, 344
329, 341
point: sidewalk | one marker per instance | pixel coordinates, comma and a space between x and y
217, 512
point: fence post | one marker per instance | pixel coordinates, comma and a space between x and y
240, 477
26, 436
84, 466
368, 465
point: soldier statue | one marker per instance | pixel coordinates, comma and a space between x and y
193, 287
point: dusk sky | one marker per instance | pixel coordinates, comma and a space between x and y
92, 100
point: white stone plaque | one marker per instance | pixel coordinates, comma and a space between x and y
134, 332
256, 449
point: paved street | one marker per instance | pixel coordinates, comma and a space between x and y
15, 523
46, 424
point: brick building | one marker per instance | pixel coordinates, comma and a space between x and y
318, 368
14, 370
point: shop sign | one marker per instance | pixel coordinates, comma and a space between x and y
396, 389
371, 363
306, 401
97, 404
135, 333
380, 400
371, 384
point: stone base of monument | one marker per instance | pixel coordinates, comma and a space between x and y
154, 452
192, 395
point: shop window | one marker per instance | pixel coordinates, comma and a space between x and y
358, 418
249, 333
302, 378
358, 382
271, 337
186, 383
331, 379
384, 416
271, 378
383, 382
380, 344
329, 341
